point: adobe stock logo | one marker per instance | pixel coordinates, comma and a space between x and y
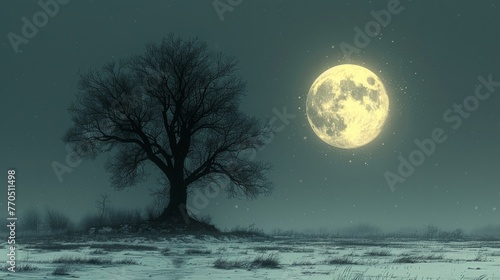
225, 6
455, 117
31, 27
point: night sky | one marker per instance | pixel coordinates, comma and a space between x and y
429, 57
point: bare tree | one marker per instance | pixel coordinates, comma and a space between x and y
102, 203
175, 107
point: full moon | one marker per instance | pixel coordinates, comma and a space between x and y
347, 106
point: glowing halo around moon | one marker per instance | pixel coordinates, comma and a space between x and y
347, 106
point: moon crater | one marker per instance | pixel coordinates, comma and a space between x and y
347, 106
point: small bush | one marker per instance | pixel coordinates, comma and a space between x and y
57, 221
197, 252
340, 260
406, 259
117, 217
261, 261
222, 263
378, 253
82, 260
61, 270
480, 257
269, 261
302, 263
431, 231
91, 260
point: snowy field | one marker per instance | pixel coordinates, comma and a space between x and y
205, 257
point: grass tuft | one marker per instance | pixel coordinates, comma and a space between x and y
197, 252
405, 258
62, 270
340, 260
269, 261
222, 263
378, 253
261, 261
302, 263
92, 260
82, 260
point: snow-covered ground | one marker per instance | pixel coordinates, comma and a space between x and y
192, 257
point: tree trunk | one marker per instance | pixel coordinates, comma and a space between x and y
175, 216
176, 210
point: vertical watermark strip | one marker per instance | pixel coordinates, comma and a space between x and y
11, 219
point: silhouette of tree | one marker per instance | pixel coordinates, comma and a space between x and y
102, 204
175, 107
